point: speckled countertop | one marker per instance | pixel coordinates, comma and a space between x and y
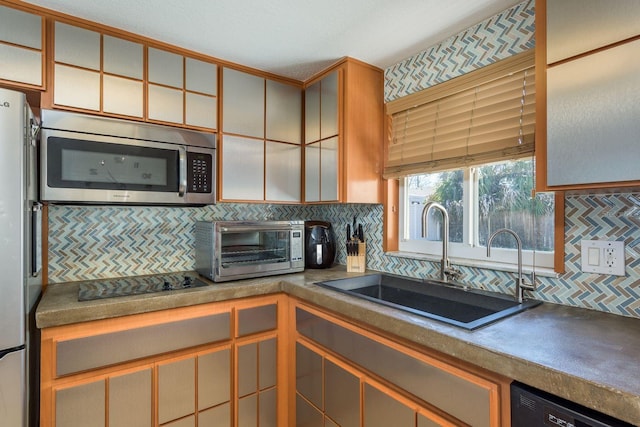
585, 356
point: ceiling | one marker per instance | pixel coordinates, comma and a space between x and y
291, 38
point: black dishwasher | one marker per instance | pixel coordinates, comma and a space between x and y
531, 407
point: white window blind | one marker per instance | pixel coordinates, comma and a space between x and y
484, 116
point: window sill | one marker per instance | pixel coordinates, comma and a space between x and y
489, 265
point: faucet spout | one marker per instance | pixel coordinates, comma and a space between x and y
445, 266
520, 284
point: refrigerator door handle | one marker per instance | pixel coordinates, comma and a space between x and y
36, 239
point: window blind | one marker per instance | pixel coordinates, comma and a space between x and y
484, 116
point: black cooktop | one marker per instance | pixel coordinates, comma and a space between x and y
137, 285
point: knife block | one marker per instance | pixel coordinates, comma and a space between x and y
357, 263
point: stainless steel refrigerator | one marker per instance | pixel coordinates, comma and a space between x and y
20, 262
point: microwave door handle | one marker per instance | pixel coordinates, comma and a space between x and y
182, 164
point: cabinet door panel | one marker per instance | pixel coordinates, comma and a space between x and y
578, 26
165, 68
201, 110
341, 395
201, 76
165, 104
185, 422
176, 390
122, 96
243, 103
242, 168
284, 112
382, 410
309, 375
267, 412
329, 169
219, 416
592, 107
247, 369
130, 400
77, 46
20, 65
329, 106
248, 411
307, 415
21, 28
426, 422
312, 172
312, 113
77, 88
267, 366
82, 405
214, 379
122, 57
283, 172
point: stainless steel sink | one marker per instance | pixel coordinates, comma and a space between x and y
468, 309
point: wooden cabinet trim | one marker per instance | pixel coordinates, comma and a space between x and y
496, 385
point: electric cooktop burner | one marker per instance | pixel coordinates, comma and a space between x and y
136, 285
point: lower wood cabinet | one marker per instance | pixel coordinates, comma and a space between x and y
228, 376
270, 361
348, 376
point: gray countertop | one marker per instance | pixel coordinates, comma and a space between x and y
585, 356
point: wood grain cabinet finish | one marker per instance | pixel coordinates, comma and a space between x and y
21, 48
339, 365
208, 373
344, 113
587, 66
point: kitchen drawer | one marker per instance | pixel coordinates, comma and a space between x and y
76, 355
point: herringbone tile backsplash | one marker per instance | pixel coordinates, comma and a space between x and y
100, 242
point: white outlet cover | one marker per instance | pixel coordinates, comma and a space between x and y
603, 256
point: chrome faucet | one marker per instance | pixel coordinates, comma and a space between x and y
446, 270
521, 285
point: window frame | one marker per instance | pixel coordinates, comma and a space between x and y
470, 252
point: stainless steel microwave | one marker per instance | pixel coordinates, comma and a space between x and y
90, 159
230, 250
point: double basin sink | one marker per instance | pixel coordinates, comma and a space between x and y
468, 309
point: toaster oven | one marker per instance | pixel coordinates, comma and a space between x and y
231, 250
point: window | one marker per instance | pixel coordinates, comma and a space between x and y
480, 200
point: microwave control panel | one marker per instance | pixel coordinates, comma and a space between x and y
296, 245
199, 172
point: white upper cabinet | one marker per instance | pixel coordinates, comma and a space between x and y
165, 68
592, 92
201, 77
283, 112
123, 57
106, 74
592, 118
77, 46
20, 47
243, 104
329, 105
579, 26
321, 130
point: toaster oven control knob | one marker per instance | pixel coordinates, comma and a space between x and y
166, 286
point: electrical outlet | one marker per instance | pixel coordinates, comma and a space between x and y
603, 256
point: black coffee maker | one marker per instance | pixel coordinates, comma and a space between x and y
320, 244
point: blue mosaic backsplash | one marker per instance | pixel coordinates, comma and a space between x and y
509, 32
100, 242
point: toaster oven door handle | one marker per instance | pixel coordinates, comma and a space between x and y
182, 165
